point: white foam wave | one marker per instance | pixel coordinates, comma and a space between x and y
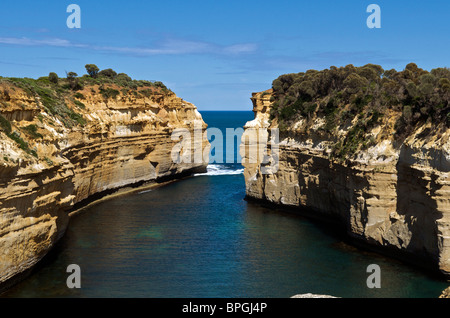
145, 191
220, 170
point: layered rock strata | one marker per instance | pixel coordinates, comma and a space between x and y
125, 140
395, 197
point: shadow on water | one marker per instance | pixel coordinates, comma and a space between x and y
350, 260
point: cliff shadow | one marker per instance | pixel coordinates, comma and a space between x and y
417, 208
334, 190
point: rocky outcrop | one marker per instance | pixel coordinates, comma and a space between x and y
395, 197
445, 293
48, 166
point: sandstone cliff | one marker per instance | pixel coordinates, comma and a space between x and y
391, 195
60, 147
445, 293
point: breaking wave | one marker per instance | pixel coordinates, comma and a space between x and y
221, 170
145, 191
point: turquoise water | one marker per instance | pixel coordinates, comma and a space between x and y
198, 237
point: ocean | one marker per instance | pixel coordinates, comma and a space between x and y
199, 238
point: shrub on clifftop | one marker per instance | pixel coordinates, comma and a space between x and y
362, 91
110, 73
92, 70
53, 78
346, 103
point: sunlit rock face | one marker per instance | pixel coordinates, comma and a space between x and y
395, 197
122, 141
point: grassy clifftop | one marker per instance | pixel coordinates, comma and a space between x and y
30, 109
61, 97
357, 99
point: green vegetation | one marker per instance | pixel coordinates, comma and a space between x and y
53, 78
22, 143
55, 93
78, 95
109, 76
49, 161
5, 125
71, 75
146, 92
52, 100
92, 70
108, 73
79, 104
73, 81
109, 92
32, 131
363, 95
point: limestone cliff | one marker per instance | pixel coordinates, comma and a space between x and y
394, 196
60, 147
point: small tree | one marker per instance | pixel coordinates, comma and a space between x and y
53, 77
71, 75
73, 81
92, 70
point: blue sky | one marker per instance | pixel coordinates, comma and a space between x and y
216, 53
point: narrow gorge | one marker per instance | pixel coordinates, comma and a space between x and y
365, 147
68, 142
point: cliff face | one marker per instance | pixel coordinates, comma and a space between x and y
392, 196
100, 143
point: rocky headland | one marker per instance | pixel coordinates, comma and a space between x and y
65, 142
365, 147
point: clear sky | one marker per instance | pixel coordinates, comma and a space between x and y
216, 53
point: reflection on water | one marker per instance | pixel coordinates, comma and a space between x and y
199, 238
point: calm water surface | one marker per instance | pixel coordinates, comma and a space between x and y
198, 237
